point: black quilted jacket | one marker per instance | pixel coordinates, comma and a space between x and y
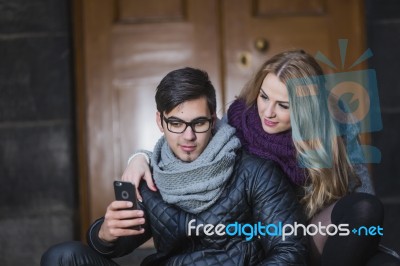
256, 192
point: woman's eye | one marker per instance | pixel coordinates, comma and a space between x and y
265, 97
284, 106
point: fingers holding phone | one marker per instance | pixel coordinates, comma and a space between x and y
125, 191
122, 217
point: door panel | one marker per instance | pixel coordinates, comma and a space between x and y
150, 10
288, 7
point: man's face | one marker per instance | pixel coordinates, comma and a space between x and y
188, 145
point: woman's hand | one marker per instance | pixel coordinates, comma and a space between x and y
118, 221
138, 169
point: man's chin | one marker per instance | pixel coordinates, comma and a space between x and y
188, 157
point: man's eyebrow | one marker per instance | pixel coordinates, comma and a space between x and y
179, 119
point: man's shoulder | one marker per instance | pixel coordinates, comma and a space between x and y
256, 169
247, 159
261, 176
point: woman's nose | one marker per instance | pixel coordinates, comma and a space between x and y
270, 110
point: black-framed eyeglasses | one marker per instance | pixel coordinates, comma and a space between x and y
198, 125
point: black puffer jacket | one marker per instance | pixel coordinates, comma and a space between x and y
256, 192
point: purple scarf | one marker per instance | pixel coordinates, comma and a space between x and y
276, 147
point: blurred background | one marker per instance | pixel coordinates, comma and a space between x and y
77, 82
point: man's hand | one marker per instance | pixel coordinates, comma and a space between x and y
119, 222
136, 170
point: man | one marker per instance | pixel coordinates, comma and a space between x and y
214, 203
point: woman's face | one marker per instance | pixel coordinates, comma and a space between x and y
273, 105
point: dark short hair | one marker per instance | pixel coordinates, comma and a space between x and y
183, 85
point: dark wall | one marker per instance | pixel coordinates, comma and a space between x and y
383, 35
38, 194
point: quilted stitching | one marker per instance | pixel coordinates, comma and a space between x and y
256, 182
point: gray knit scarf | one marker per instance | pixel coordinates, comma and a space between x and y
195, 186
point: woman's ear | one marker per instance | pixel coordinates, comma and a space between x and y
159, 122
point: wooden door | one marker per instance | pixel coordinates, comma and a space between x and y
312, 25
124, 48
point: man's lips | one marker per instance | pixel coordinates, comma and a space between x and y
188, 148
269, 123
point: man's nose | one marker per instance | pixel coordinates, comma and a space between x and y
189, 134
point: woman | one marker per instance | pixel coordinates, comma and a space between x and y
283, 114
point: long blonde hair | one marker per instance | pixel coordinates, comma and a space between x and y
319, 148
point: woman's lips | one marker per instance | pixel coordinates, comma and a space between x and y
270, 123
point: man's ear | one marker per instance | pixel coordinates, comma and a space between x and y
159, 122
214, 120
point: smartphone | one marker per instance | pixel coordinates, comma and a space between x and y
125, 191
